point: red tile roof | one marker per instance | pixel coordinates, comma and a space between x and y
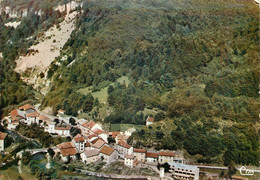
99, 131
106, 150
151, 155
113, 134
87, 144
68, 151
166, 153
33, 114
63, 128
99, 144
150, 119
65, 145
128, 156
89, 125
92, 135
124, 144
43, 117
2, 135
79, 138
26, 107
139, 150
16, 115
95, 140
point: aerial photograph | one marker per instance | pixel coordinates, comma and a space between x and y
129, 89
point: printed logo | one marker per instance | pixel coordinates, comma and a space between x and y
246, 172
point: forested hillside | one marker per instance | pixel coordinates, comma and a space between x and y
194, 62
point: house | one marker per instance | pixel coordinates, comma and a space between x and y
130, 131
79, 143
114, 134
60, 130
149, 121
151, 157
27, 108
140, 154
121, 137
123, 148
43, 120
130, 160
108, 154
32, 118
166, 157
15, 117
92, 137
67, 149
98, 144
102, 134
89, 156
91, 125
183, 171
61, 111
2, 141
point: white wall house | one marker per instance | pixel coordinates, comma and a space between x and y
79, 143
183, 171
108, 154
166, 157
89, 156
123, 148
140, 154
2, 141
149, 121
151, 157
61, 131
129, 160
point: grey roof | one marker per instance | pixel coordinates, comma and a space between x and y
92, 152
183, 166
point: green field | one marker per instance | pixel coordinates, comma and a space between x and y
102, 94
124, 127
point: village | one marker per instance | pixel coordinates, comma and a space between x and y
94, 144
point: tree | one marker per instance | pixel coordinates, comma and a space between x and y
110, 140
51, 152
78, 156
88, 103
56, 121
72, 121
74, 131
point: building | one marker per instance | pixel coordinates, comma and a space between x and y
121, 137
15, 117
183, 171
140, 154
166, 157
108, 154
123, 148
27, 108
61, 111
91, 126
67, 150
79, 143
89, 156
130, 131
2, 141
98, 144
149, 121
130, 160
32, 118
60, 130
151, 157
102, 134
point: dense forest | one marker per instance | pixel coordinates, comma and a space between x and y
194, 61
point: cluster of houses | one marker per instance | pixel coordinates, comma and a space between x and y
25, 114
92, 144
